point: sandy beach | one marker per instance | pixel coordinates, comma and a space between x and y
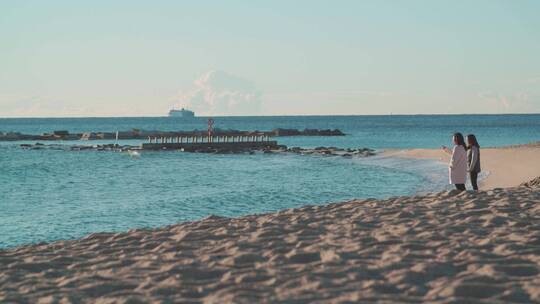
439, 248
503, 167
443, 247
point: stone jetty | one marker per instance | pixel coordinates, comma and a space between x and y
143, 134
331, 151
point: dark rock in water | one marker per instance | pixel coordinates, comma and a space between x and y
286, 132
12, 136
307, 132
333, 151
61, 133
81, 148
317, 132
223, 151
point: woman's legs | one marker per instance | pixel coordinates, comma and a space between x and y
460, 187
474, 180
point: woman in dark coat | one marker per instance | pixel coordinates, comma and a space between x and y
473, 159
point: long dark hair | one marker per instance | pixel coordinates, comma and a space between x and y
471, 141
459, 139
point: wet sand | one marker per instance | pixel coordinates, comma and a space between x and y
439, 248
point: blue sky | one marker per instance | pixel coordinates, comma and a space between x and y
137, 58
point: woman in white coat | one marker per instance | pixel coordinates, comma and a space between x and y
457, 168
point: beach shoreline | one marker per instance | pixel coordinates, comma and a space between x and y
440, 247
502, 167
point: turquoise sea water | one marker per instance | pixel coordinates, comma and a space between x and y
48, 195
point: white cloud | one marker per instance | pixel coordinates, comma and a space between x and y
220, 93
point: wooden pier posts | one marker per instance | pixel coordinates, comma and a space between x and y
238, 142
209, 139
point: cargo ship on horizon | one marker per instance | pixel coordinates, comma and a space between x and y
181, 113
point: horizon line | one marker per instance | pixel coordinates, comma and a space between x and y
272, 115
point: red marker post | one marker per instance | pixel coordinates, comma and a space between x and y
210, 129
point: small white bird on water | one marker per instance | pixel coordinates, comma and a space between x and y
134, 154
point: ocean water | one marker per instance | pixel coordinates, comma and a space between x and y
48, 195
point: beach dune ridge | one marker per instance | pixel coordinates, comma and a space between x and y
441, 247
